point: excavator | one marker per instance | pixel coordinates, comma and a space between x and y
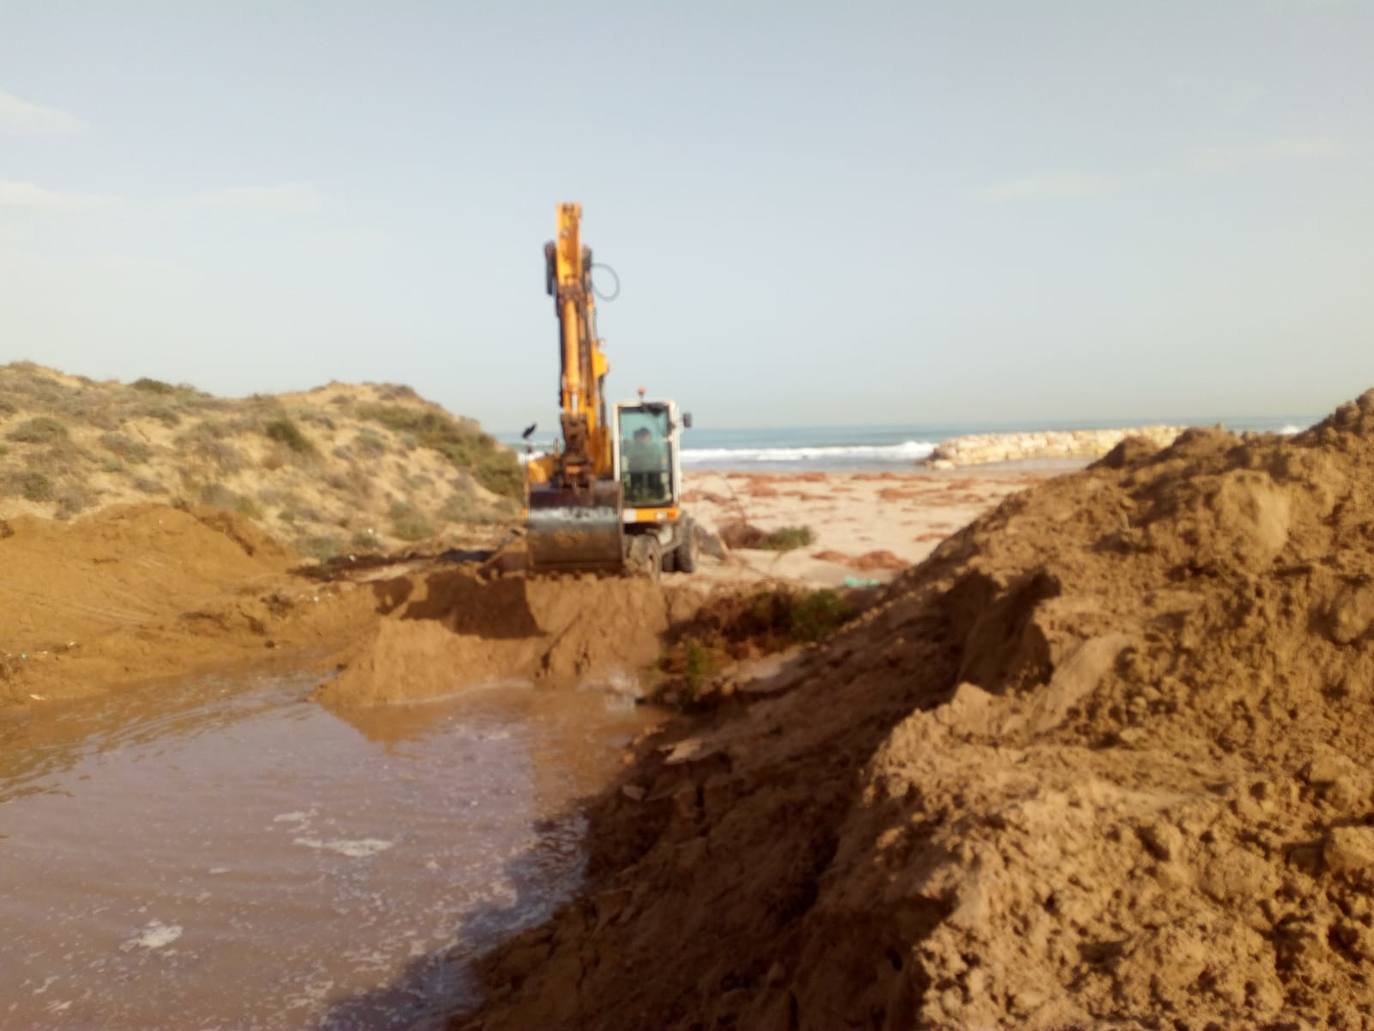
609, 497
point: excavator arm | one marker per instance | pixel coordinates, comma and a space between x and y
575, 505
581, 397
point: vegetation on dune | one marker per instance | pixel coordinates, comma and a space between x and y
329, 471
284, 431
789, 538
152, 386
735, 627
741, 534
40, 430
493, 466
132, 451
409, 524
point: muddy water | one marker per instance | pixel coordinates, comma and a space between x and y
230, 855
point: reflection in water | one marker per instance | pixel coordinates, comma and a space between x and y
221, 855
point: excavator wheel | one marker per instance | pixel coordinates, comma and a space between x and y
685, 554
644, 557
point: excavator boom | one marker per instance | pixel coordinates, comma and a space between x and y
575, 504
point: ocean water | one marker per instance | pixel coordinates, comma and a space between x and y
839, 448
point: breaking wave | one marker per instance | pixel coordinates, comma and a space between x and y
908, 451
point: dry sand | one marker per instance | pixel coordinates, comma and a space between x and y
1102, 760
866, 525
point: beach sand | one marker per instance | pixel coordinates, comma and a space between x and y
869, 525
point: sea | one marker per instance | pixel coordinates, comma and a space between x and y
873, 448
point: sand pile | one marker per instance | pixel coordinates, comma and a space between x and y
1103, 758
134, 592
453, 629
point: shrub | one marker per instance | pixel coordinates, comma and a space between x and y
369, 443
40, 430
130, 450
284, 431
816, 615
219, 496
698, 663
33, 486
153, 386
323, 547
788, 538
363, 540
164, 414
146, 485
6, 409
409, 524
72, 500
246, 506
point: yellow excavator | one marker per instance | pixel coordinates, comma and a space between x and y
609, 497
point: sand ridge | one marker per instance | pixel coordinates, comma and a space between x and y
1101, 759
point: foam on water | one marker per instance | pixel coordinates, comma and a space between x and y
905, 452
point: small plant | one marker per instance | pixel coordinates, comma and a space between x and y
153, 386
409, 524
219, 496
130, 450
322, 548
72, 500
247, 507
364, 540
284, 431
816, 615
146, 485
6, 409
788, 538
369, 443
32, 486
697, 664
164, 414
40, 430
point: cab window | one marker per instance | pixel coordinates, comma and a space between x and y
645, 456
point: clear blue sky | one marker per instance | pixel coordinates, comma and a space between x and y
821, 213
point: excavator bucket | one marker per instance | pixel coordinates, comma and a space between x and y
572, 529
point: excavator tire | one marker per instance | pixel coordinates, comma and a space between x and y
685, 554
644, 557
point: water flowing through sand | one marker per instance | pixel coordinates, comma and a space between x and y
229, 855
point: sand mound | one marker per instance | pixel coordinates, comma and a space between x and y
453, 630
129, 593
1103, 758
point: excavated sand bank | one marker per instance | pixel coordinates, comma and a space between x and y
452, 630
1103, 758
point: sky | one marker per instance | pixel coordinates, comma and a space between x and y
819, 213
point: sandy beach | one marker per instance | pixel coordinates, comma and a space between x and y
866, 525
